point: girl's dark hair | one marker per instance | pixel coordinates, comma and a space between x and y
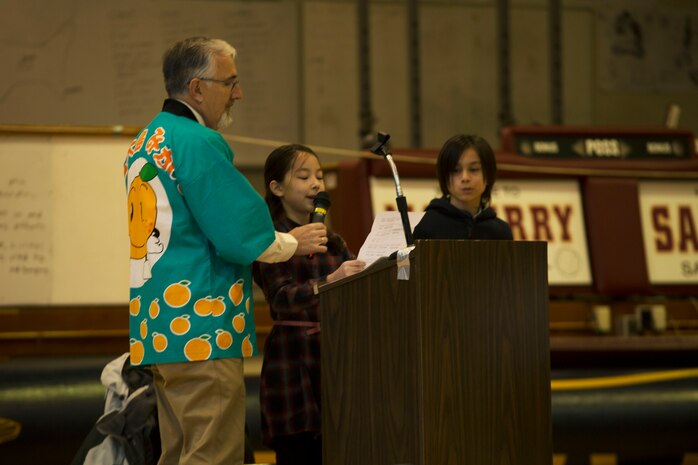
278, 164
450, 154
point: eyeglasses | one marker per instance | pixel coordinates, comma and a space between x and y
231, 83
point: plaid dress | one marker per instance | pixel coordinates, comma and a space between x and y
290, 379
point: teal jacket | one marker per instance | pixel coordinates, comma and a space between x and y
195, 227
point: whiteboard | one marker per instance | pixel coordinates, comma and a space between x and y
63, 234
26, 267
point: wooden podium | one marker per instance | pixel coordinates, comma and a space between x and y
449, 367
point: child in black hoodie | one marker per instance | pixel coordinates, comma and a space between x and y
467, 169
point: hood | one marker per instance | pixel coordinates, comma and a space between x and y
443, 206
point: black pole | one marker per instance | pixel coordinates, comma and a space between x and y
505, 116
555, 27
414, 73
366, 118
402, 208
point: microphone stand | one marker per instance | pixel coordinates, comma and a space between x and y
380, 149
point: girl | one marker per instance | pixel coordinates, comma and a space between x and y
466, 169
290, 379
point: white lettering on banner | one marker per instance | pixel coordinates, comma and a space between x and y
546, 147
535, 210
669, 214
602, 147
659, 148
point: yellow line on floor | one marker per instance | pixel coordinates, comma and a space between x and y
621, 380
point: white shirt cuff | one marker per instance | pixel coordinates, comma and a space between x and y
283, 248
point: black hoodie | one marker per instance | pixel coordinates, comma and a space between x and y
444, 221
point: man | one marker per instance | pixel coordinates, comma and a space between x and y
195, 227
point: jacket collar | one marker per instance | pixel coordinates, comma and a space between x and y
178, 108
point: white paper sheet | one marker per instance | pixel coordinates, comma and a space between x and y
387, 235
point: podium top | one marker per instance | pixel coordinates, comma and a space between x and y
432, 249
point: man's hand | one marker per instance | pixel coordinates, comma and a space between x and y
312, 238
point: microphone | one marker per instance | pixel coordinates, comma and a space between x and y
322, 204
